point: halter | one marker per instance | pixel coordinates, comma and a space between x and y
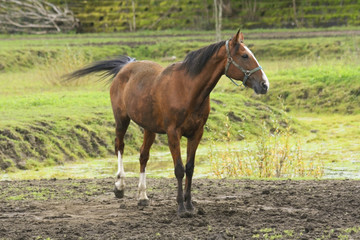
231, 60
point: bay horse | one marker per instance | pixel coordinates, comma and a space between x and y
175, 101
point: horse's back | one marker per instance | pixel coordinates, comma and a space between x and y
146, 68
136, 73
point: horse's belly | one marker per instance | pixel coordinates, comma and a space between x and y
150, 126
143, 111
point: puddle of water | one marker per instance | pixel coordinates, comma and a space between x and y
161, 165
339, 162
349, 170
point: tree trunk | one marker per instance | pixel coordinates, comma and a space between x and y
295, 17
218, 18
206, 22
134, 17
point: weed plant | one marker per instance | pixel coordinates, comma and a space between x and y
276, 153
69, 60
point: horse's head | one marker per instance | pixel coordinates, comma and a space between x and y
242, 65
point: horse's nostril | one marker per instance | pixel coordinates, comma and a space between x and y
264, 86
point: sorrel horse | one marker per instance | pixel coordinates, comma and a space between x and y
174, 101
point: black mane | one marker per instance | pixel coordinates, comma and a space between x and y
195, 61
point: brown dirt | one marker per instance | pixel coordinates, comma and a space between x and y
226, 209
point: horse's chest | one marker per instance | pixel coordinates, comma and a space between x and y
194, 121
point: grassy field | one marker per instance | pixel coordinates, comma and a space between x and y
44, 122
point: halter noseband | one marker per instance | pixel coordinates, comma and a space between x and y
231, 60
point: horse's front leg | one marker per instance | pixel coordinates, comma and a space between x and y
192, 145
174, 145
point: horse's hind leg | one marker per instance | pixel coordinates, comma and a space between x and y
149, 138
121, 127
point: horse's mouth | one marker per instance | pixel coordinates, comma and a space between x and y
260, 91
261, 88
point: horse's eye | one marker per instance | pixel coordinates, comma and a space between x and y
245, 56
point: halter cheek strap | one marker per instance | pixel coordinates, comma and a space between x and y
230, 60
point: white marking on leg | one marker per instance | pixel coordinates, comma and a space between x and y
263, 73
120, 182
142, 187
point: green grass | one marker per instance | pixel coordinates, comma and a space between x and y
320, 86
17, 52
45, 122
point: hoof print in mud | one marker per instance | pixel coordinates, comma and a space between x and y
118, 193
200, 211
143, 202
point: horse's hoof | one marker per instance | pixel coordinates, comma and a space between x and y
182, 211
143, 202
186, 214
119, 193
190, 207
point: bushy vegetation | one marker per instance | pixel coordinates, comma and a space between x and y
113, 16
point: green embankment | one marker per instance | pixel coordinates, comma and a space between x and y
318, 89
113, 16
44, 122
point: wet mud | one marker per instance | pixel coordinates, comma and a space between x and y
225, 209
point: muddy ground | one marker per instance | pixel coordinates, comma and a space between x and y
226, 209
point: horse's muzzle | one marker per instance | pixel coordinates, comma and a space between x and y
264, 87
261, 88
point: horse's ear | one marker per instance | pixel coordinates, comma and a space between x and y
241, 37
237, 38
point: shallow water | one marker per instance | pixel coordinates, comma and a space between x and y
161, 165
350, 170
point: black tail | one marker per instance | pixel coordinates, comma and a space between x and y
108, 67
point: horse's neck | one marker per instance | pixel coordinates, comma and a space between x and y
205, 82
